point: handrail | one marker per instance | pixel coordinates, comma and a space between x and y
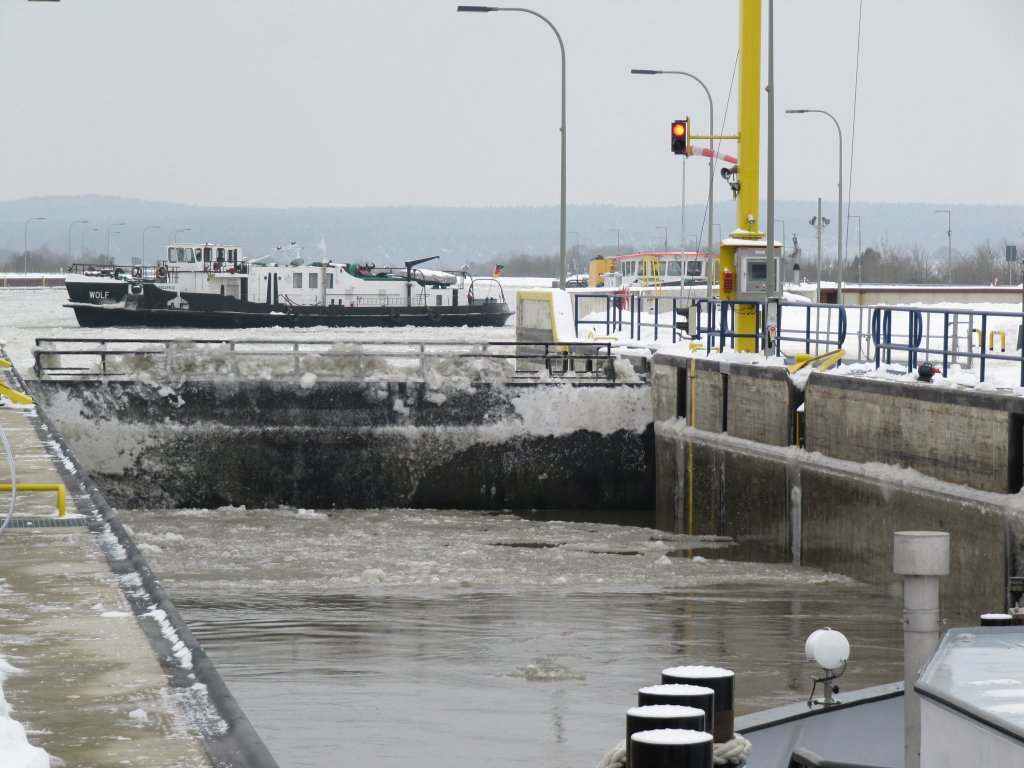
954, 343
640, 316
27, 487
69, 358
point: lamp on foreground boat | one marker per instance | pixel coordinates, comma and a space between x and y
830, 650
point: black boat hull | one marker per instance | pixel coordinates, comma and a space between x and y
249, 315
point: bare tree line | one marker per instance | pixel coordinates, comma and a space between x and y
984, 264
891, 263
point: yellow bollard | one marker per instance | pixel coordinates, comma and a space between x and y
1002, 340
58, 487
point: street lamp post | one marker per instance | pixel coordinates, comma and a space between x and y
780, 221
860, 255
561, 47
949, 243
34, 218
151, 226
711, 160
839, 282
121, 224
81, 245
177, 232
80, 221
666, 237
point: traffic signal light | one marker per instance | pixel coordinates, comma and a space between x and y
681, 137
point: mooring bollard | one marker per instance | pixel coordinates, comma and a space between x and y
654, 717
671, 748
721, 681
697, 696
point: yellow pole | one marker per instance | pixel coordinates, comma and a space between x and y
748, 175
58, 487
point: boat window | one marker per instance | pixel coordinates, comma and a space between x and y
673, 269
190, 256
233, 255
694, 269
172, 255
296, 280
329, 280
313, 281
207, 255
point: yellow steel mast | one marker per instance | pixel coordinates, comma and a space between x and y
748, 170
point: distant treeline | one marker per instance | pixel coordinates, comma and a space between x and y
984, 264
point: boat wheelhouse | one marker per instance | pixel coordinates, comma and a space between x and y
653, 270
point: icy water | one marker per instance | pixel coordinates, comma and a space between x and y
388, 638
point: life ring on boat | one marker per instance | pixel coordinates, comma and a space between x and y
118, 273
136, 272
434, 315
161, 272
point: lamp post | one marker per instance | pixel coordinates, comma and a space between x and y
151, 226
618, 250
176, 232
34, 218
666, 237
80, 221
121, 224
711, 160
561, 47
81, 245
860, 254
949, 243
839, 282
783, 223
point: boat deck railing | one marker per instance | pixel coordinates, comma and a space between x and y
205, 359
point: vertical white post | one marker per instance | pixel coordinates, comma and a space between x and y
921, 557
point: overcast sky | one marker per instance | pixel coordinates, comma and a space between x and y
294, 103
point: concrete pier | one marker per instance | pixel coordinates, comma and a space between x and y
94, 685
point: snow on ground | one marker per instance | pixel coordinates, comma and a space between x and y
15, 751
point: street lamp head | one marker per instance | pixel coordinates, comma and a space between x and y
476, 9
797, 111
645, 71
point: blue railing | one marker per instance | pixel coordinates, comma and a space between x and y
808, 328
945, 337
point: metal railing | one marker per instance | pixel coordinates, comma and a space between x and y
806, 328
946, 337
68, 359
973, 339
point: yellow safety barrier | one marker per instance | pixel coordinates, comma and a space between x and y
1002, 340
58, 487
981, 337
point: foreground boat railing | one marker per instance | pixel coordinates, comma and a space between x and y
69, 358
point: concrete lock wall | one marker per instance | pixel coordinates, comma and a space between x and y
880, 456
584, 450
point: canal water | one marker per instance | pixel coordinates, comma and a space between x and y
388, 638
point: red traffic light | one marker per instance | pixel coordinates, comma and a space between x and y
681, 137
